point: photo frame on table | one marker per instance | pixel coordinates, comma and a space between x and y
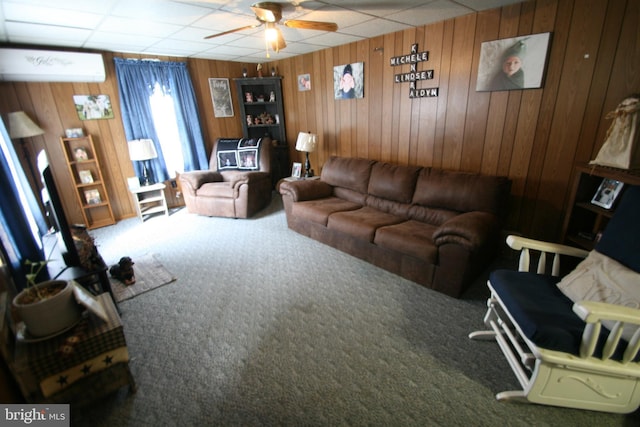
296, 170
607, 193
513, 63
221, 97
92, 107
80, 154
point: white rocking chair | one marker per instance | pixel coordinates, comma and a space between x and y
560, 351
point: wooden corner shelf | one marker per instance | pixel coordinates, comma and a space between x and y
584, 221
86, 174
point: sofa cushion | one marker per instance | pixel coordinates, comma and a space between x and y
393, 182
318, 210
351, 173
463, 192
410, 238
431, 216
216, 189
361, 223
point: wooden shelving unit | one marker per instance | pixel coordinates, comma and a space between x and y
259, 98
584, 220
84, 167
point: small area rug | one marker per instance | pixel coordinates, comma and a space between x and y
150, 274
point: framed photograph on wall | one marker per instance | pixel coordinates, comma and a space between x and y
221, 97
348, 81
607, 193
513, 63
296, 170
304, 82
92, 107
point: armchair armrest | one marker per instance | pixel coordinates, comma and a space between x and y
524, 244
614, 317
237, 179
305, 189
194, 179
470, 229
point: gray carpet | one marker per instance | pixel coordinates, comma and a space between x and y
267, 327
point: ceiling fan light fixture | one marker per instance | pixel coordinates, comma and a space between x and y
271, 33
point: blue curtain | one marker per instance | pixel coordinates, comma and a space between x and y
136, 82
20, 237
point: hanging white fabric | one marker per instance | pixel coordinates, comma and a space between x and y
621, 148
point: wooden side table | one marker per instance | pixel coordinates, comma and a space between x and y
86, 362
150, 199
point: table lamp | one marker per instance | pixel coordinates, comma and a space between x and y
142, 150
306, 142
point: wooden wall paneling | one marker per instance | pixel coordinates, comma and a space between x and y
615, 82
428, 107
375, 91
324, 76
584, 33
443, 94
387, 96
544, 18
406, 104
477, 102
318, 95
361, 110
458, 90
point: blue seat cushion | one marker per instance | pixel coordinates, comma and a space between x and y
542, 311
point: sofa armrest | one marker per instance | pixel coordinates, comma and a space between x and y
470, 229
305, 189
195, 179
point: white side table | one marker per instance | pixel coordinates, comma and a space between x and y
150, 199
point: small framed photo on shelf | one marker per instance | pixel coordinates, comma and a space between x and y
607, 193
296, 170
85, 177
92, 197
74, 133
80, 154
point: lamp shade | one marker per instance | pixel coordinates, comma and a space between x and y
306, 142
21, 126
142, 149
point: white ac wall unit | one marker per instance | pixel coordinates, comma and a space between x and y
25, 65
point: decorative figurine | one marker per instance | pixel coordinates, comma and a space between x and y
259, 68
272, 96
249, 120
244, 72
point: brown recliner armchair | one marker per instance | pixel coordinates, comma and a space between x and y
238, 182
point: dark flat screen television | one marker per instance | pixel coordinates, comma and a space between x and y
64, 234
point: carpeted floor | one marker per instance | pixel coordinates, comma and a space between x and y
267, 327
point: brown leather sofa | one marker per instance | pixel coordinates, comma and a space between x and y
238, 182
435, 227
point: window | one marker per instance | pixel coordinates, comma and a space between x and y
164, 120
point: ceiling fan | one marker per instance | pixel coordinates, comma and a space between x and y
270, 14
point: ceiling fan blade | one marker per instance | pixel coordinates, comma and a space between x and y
267, 11
233, 31
311, 25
